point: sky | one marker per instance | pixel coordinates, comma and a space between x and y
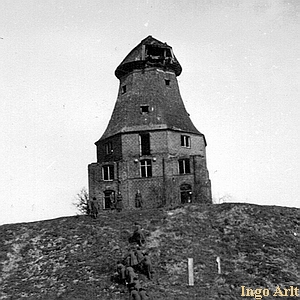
240, 84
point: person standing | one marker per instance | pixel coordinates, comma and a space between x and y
148, 266
132, 259
119, 203
138, 199
121, 271
138, 235
93, 207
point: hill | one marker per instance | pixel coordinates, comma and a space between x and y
75, 257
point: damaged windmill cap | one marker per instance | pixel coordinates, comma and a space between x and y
150, 52
149, 97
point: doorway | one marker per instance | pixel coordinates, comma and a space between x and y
185, 193
109, 199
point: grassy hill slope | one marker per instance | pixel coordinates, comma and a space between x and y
75, 257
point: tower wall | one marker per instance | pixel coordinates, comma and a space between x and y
114, 154
148, 87
164, 186
150, 145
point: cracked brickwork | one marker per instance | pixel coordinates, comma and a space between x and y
149, 102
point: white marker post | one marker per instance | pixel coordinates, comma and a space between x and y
219, 264
191, 271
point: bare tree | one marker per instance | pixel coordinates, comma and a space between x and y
81, 202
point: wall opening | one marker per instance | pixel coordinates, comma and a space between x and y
184, 166
108, 148
155, 52
144, 109
145, 143
146, 168
109, 199
186, 193
185, 141
108, 172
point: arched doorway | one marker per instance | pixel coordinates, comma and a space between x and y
109, 199
185, 193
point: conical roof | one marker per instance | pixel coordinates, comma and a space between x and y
149, 103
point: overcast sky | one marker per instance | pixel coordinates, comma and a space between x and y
240, 84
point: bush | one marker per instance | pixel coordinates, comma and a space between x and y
81, 202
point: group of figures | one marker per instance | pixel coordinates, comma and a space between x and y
136, 261
93, 205
117, 203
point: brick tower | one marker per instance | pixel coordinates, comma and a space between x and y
150, 149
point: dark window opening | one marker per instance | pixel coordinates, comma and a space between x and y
167, 81
123, 89
184, 166
158, 52
108, 172
144, 109
145, 143
109, 199
146, 168
108, 148
185, 141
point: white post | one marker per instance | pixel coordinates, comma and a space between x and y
191, 271
219, 264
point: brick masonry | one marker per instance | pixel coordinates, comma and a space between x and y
163, 188
149, 101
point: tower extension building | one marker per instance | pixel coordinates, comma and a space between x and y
150, 148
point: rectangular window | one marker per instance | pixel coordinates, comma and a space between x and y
145, 143
167, 81
123, 89
108, 172
144, 109
185, 141
108, 148
184, 166
146, 168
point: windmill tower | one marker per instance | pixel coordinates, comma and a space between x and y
150, 147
